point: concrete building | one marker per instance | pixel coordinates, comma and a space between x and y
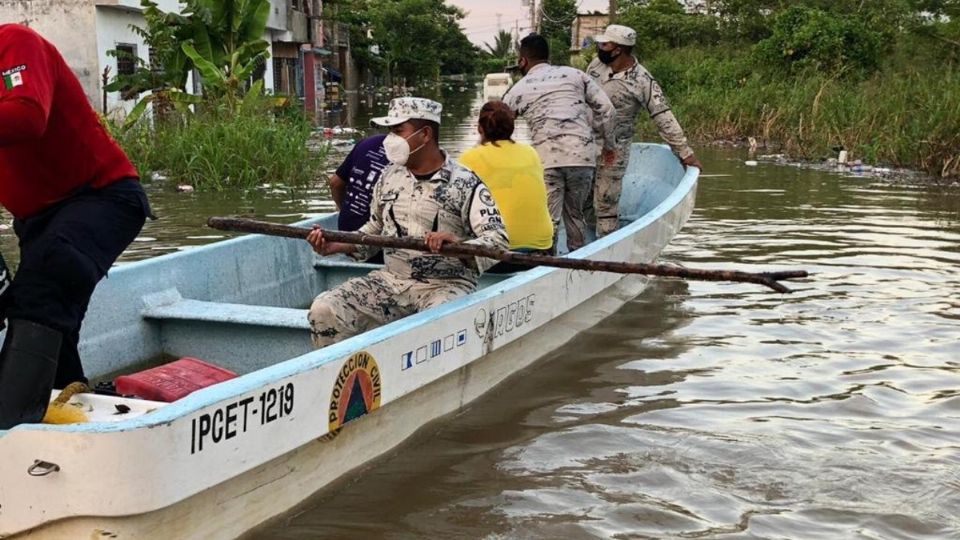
585, 27
85, 30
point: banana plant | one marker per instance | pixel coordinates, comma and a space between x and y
226, 44
174, 98
165, 76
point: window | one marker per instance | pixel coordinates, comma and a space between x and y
287, 76
126, 59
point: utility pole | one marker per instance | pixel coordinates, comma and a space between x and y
534, 26
613, 11
516, 36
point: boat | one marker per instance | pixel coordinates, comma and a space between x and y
228, 458
495, 85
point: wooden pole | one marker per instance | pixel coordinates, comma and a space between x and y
612, 16
768, 279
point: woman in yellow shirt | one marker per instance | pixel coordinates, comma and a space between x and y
514, 174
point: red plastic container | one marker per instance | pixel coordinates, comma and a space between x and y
172, 381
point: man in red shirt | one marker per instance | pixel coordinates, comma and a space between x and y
77, 204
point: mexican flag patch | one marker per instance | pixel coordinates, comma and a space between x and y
13, 77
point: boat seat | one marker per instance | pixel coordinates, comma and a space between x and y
198, 310
340, 268
322, 263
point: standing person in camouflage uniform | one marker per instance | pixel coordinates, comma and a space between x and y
421, 193
631, 88
562, 106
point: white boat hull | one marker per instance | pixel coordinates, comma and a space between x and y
230, 457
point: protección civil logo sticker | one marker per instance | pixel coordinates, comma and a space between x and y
356, 391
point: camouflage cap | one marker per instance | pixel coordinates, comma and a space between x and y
619, 34
408, 108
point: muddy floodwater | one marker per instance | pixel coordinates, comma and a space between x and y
705, 410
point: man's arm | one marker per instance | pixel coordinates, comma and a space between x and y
667, 125
338, 181
513, 98
604, 114
486, 222
338, 189
26, 89
374, 225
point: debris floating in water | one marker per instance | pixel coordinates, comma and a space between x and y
184, 188
750, 163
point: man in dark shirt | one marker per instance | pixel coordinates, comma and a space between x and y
352, 185
76, 202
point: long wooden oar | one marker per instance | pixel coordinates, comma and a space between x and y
769, 279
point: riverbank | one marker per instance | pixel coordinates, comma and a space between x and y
905, 116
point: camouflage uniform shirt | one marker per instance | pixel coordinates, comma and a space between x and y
562, 105
453, 200
631, 90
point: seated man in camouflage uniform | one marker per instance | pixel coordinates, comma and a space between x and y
423, 192
632, 89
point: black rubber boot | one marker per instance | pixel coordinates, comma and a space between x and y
28, 364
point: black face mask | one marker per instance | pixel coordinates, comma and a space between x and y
606, 56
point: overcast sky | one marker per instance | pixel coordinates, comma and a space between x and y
481, 22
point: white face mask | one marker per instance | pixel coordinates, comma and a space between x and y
397, 149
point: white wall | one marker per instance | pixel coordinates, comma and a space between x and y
164, 5
70, 26
278, 14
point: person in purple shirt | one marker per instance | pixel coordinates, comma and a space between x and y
352, 184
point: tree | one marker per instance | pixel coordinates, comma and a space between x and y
662, 24
222, 39
502, 45
829, 42
431, 41
556, 25
169, 66
456, 53
226, 43
165, 76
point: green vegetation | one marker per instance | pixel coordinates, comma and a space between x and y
499, 54
879, 78
217, 149
408, 41
232, 135
555, 25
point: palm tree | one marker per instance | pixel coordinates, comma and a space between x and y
502, 45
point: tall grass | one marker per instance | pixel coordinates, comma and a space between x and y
905, 115
212, 150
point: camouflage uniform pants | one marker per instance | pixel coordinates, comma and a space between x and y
606, 192
567, 190
364, 303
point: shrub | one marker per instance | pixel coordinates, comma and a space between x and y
663, 24
805, 37
719, 93
214, 150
